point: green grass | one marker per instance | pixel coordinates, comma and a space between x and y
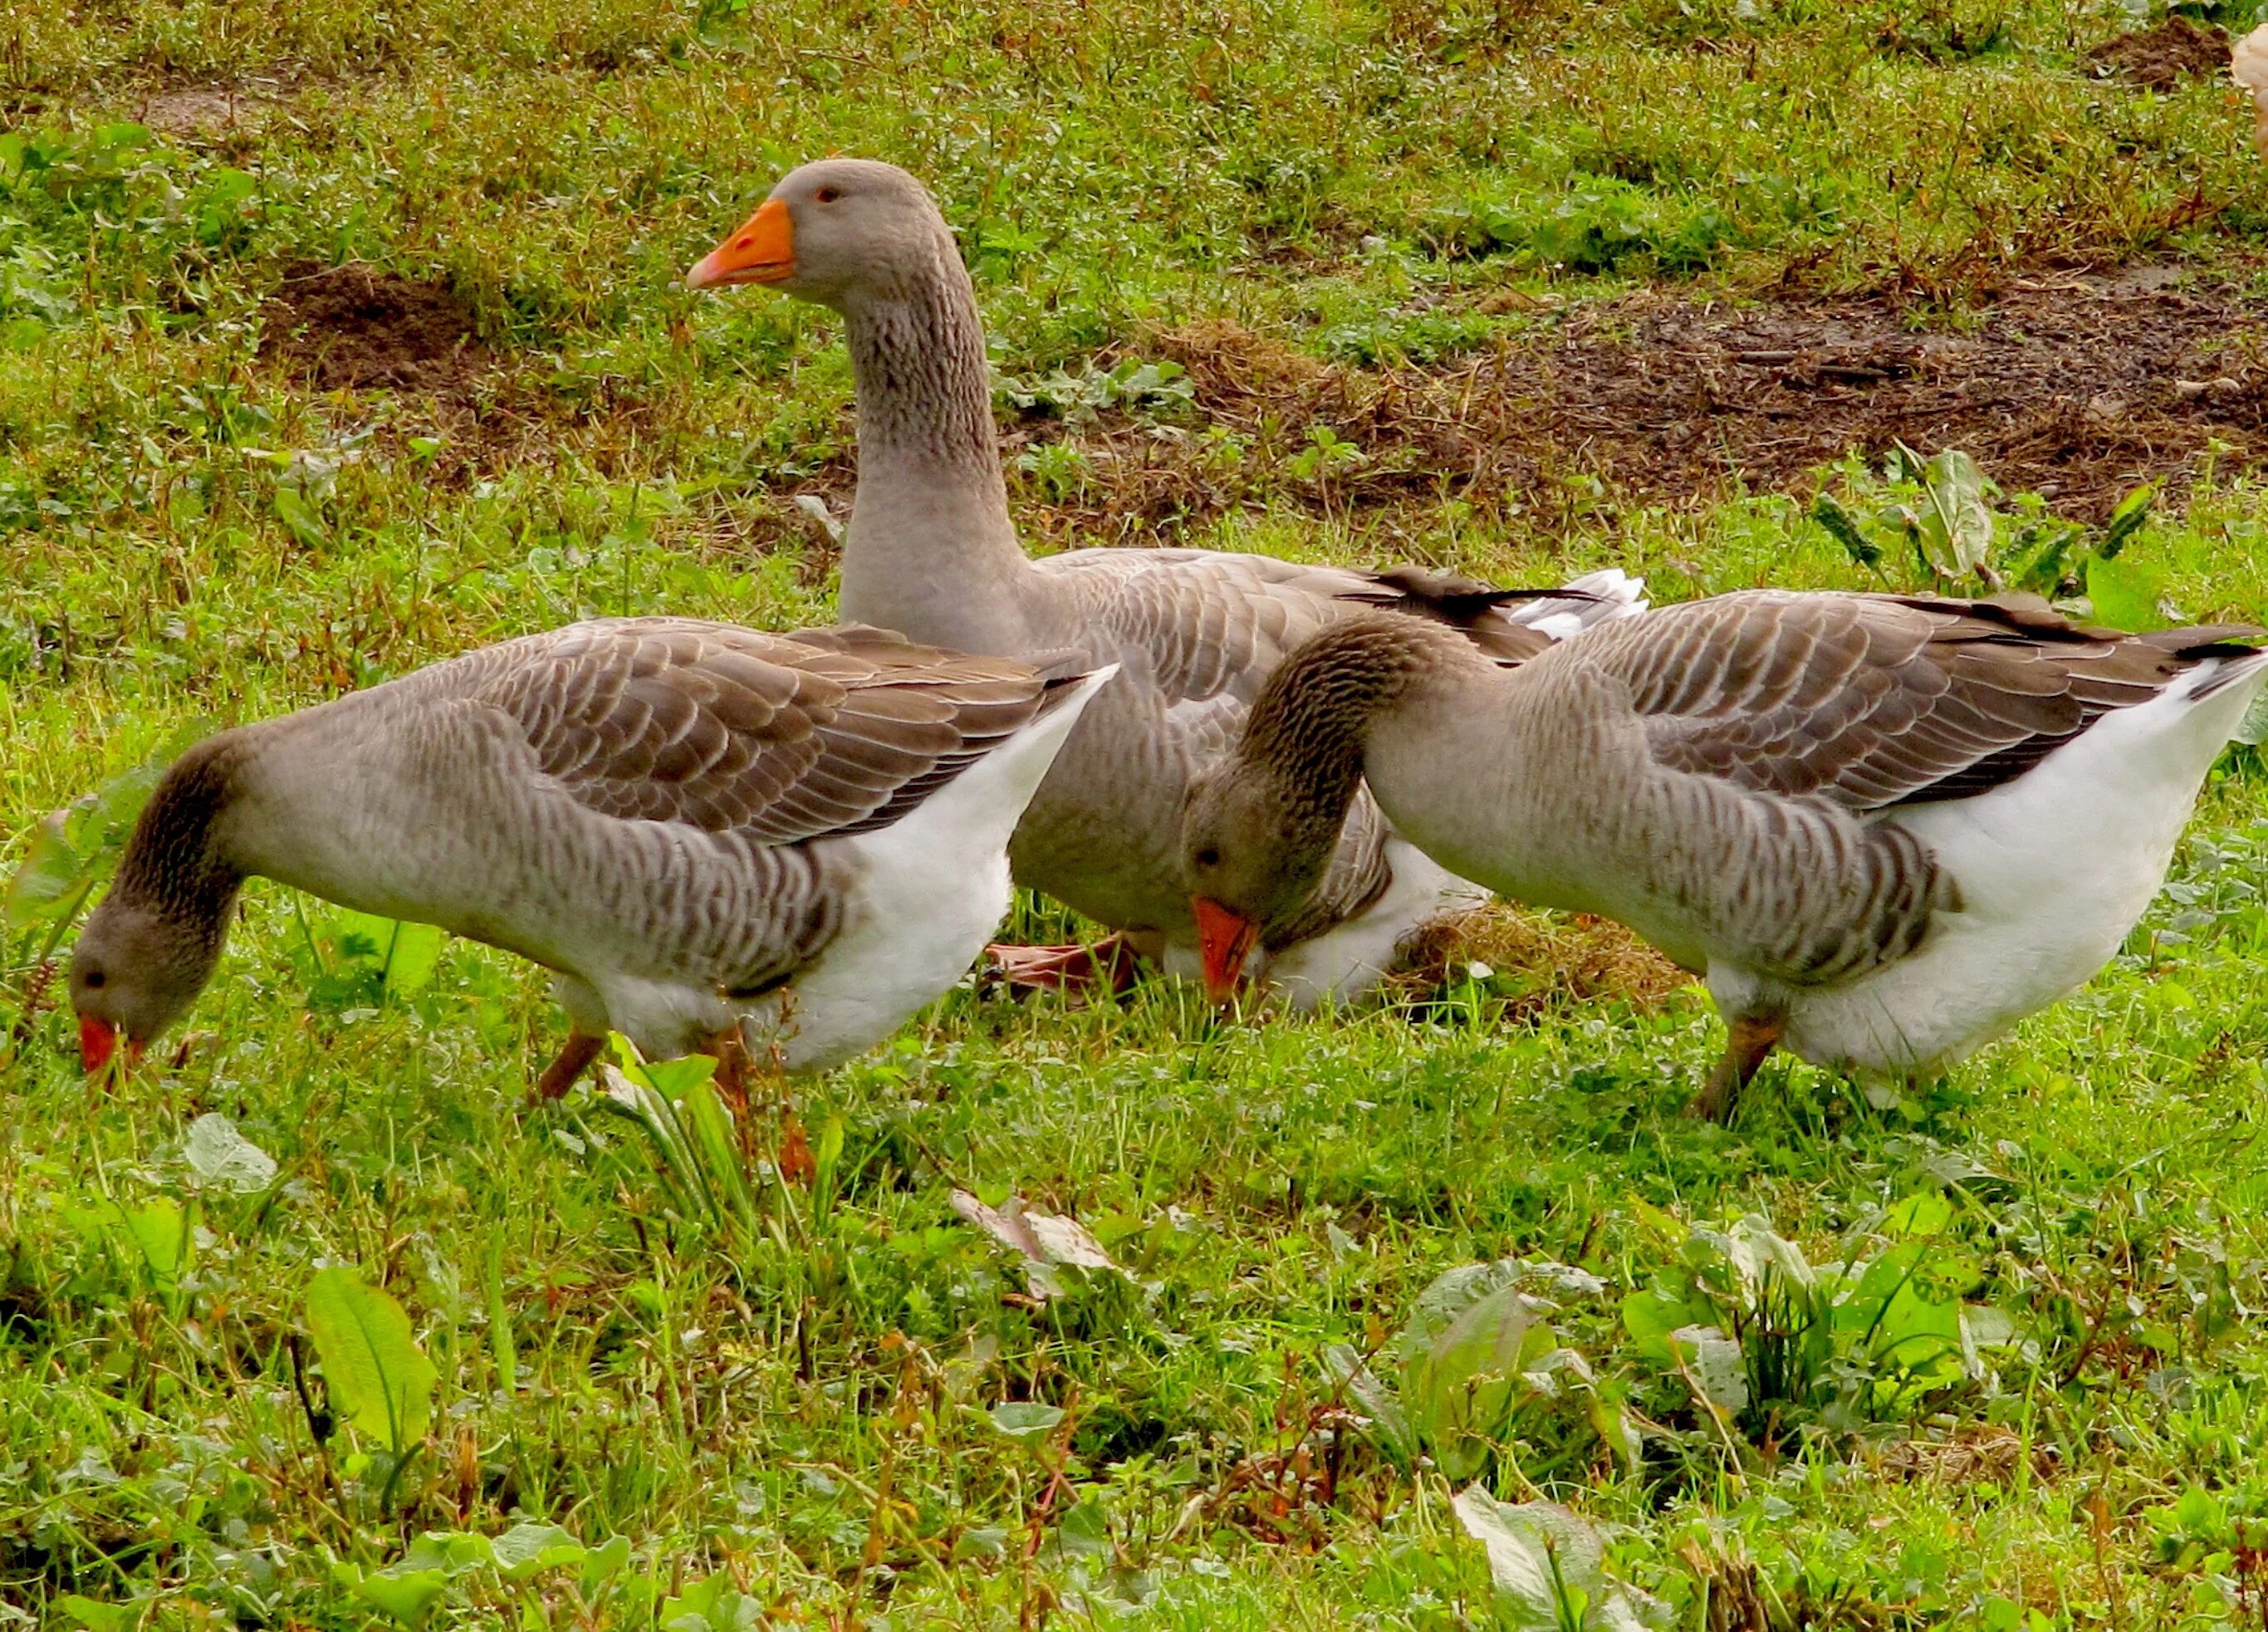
794, 1397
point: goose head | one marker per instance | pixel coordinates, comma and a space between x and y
836, 232
151, 947
1255, 841
135, 971
1259, 826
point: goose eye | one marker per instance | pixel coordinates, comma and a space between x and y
94, 978
828, 194
1208, 857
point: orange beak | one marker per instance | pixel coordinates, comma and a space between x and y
98, 1039
1225, 940
761, 252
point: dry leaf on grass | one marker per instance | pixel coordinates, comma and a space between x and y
1044, 1241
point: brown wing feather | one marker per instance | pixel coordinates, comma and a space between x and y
778, 737
1873, 701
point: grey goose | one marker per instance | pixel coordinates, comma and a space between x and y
1885, 828
930, 549
695, 827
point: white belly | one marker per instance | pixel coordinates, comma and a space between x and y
2054, 868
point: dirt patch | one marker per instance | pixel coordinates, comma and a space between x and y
203, 111
2076, 387
2161, 58
352, 328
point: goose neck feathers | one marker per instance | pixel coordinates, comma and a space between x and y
924, 388
1260, 826
149, 948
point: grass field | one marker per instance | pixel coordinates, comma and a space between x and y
335, 339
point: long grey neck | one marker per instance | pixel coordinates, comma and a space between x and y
930, 549
176, 861
1311, 722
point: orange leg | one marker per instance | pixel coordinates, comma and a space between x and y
574, 1057
1749, 1037
1111, 963
735, 1072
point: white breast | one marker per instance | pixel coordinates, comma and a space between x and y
929, 889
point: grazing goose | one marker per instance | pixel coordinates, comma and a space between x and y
930, 549
1886, 828
692, 825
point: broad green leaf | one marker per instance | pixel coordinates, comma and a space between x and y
1983, 1326
75, 846
406, 1595
1026, 1420
1650, 1317
405, 954
1548, 1569
2124, 594
1449, 1294
221, 1157
2126, 519
527, 1547
1758, 1254
1917, 1332
1461, 1390
1955, 524
988, 1541
157, 1238
1925, 1213
1374, 1399
604, 1563
293, 510
98, 1617
451, 1552
50, 876
379, 1380
1716, 1366
1084, 1532
714, 1605
1843, 529
409, 1597
2254, 729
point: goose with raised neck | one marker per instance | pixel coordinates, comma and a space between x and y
930, 549
1884, 828
716, 838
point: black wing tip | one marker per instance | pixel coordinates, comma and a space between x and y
1059, 679
2029, 618
2199, 642
1447, 597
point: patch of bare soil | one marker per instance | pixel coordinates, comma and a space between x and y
2076, 387
2163, 57
351, 327
203, 111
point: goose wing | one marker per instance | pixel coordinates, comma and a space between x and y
1205, 624
779, 737
1871, 701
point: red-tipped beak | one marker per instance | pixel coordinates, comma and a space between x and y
761, 252
1225, 940
98, 1040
